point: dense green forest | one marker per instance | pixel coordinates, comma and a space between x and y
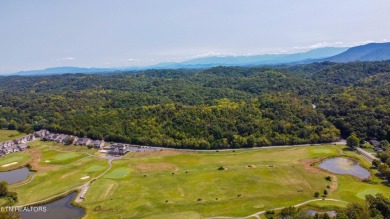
220, 107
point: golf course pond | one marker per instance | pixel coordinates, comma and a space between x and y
341, 165
59, 209
15, 176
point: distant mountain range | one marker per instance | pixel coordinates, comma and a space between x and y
268, 59
369, 52
65, 70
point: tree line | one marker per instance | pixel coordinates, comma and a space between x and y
220, 107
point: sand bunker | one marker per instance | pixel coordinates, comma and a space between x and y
47, 161
85, 177
9, 164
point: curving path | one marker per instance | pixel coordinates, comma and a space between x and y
257, 214
50, 198
33, 175
85, 187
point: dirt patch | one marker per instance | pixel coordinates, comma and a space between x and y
250, 166
334, 183
147, 167
36, 158
308, 165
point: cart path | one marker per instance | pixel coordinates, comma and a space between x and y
257, 214
85, 187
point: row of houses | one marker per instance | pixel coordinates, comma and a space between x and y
114, 149
70, 139
18, 144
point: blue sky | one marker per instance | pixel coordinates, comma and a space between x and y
101, 33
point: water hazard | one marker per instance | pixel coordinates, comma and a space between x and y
59, 209
346, 166
15, 176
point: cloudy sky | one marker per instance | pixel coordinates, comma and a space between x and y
101, 33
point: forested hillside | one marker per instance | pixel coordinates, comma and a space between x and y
221, 107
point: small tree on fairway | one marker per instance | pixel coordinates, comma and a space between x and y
3, 188
325, 192
316, 194
353, 141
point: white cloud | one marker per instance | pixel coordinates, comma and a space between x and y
220, 54
320, 45
362, 43
66, 59
131, 60
326, 44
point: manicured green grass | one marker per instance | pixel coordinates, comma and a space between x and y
353, 191
321, 150
189, 184
55, 157
95, 168
327, 204
55, 153
6, 135
277, 178
62, 147
56, 181
118, 173
20, 157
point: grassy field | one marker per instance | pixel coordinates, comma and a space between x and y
60, 168
327, 205
191, 186
57, 181
49, 155
6, 135
61, 147
172, 184
21, 158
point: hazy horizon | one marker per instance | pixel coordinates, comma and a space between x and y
44, 34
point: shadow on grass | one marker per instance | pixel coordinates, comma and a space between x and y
347, 149
385, 183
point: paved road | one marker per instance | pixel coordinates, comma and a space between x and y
341, 142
